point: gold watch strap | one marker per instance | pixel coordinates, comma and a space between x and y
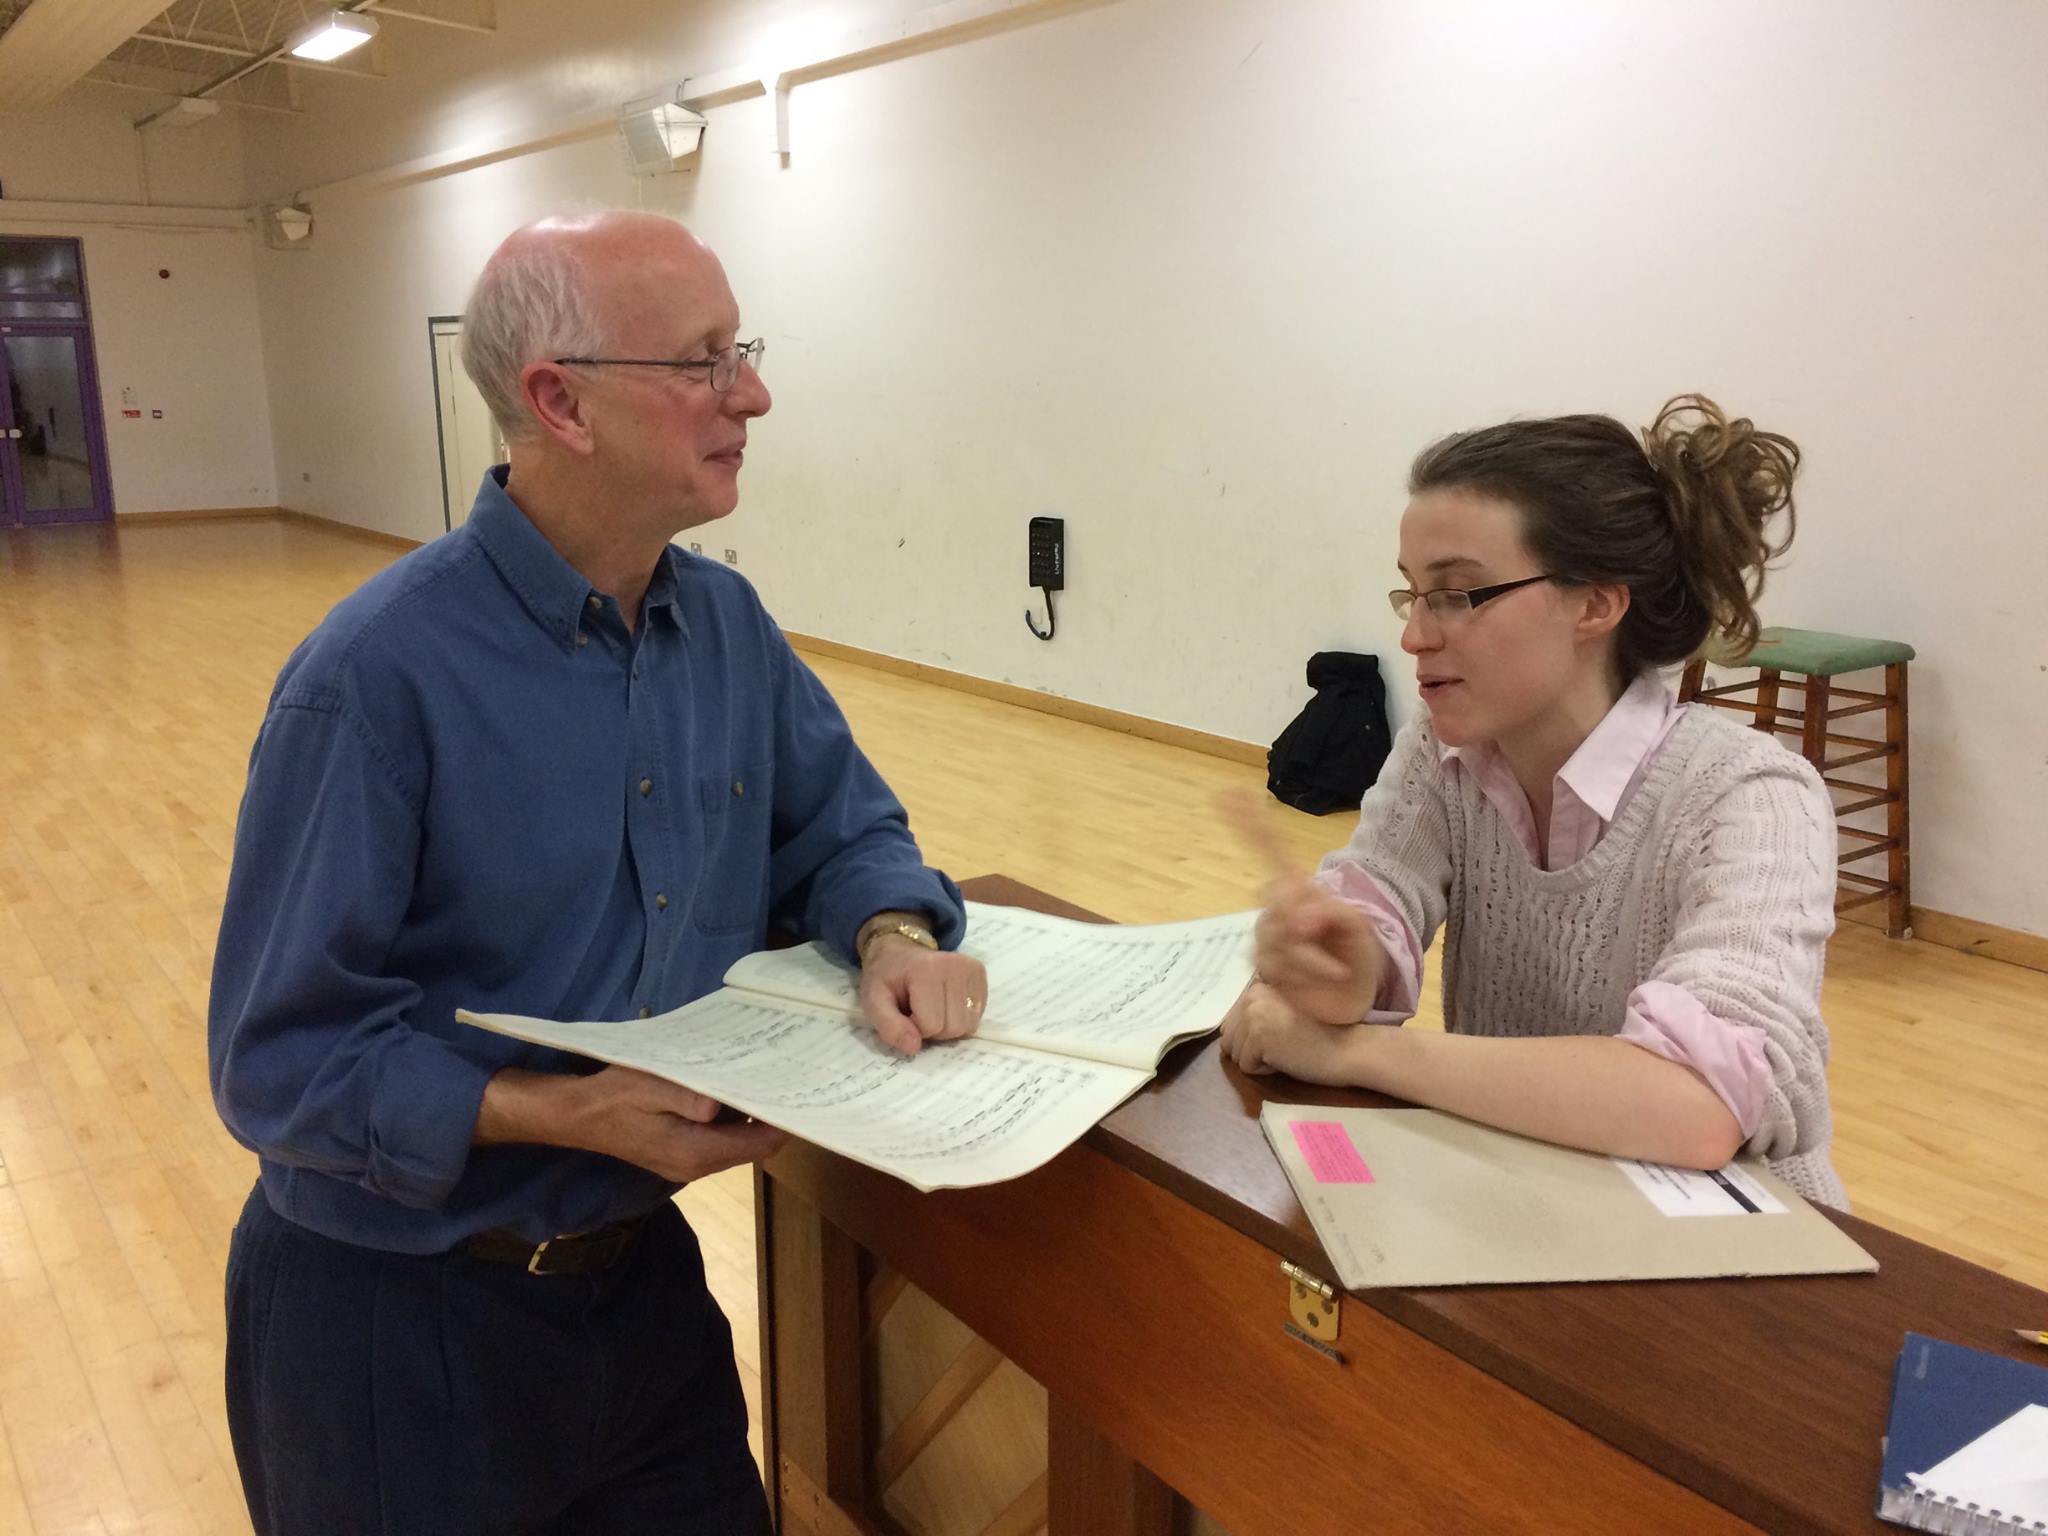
917, 933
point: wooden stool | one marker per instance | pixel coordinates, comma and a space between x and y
1820, 657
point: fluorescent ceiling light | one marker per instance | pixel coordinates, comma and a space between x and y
332, 35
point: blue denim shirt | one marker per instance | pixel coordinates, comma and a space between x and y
475, 788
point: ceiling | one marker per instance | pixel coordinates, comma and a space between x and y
230, 51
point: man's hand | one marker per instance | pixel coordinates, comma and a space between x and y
911, 994
637, 1118
1261, 1033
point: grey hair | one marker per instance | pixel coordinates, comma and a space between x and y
528, 305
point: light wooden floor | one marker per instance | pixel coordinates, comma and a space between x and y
133, 671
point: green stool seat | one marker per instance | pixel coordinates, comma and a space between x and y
1816, 653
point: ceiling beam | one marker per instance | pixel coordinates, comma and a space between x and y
160, 215
486, 17
56, 43
203, 43
160, 92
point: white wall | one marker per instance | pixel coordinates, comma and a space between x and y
189, 344
1202, 275
83, 147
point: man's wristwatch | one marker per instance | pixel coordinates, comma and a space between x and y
904, 927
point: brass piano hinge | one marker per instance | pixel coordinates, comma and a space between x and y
1312, 1304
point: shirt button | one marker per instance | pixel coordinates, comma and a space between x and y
595, 601
660, 901
739, 786
582, 638
647, 786
646, 1013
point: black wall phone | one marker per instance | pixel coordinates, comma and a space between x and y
1048, 568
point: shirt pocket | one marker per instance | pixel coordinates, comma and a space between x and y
732, 893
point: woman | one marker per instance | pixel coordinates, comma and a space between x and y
1636, 896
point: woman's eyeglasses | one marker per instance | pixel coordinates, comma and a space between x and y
1455, 602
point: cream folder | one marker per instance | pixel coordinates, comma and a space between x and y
1411, 1197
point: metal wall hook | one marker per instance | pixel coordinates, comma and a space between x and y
1052, 622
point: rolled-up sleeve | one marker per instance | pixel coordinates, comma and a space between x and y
314, 1063
1729, 1058
1736, 992
842, 847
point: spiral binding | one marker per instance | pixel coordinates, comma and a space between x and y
1948, 1516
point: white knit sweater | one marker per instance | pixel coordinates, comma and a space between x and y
1717, 876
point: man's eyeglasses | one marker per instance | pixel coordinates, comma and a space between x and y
720, 372
1454, 602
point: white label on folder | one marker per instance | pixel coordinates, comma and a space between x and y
1729, 1191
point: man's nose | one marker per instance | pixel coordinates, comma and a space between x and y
748, 395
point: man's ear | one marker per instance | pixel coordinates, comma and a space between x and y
557, 404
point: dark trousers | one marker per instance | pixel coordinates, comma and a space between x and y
383, 1394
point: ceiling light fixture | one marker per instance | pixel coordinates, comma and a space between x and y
660, 132
331, 35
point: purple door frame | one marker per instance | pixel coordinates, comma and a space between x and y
12, 495
101, 507
14, 510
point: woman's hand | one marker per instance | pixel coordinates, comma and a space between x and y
1264, 1033
1318, 951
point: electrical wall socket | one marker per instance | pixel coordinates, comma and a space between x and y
732, 557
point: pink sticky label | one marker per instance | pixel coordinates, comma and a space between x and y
1327, 1148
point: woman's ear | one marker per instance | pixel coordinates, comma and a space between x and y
1602, 605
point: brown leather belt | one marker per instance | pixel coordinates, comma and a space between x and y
571, 1253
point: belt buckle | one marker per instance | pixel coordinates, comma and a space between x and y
599, 1248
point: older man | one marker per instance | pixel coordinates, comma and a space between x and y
548, 764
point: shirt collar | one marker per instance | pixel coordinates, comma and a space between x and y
553, 591
1607, 760
662, 592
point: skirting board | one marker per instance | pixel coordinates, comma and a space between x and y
350, 530
1986, 939
198, 515
1045, 703
231, 514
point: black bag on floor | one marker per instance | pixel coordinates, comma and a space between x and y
1327, 758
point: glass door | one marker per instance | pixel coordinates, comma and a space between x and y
51, 426
53, 442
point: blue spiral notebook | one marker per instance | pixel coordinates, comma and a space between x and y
1966, 1446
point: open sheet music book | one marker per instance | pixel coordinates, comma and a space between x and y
1079, 1016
